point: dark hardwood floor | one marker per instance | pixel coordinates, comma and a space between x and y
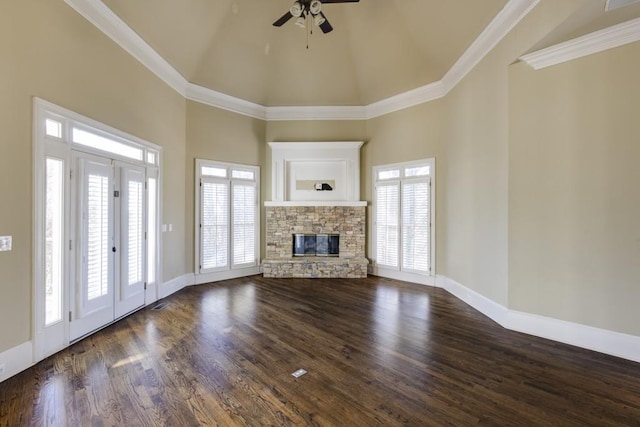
377, 352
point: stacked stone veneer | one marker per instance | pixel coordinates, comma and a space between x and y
282, 222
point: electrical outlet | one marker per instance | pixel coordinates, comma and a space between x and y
299, 373
5, 243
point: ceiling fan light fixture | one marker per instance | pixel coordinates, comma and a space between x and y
300, 22
315, 6
318, 19
296, 9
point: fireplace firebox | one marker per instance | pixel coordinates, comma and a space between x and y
316, 245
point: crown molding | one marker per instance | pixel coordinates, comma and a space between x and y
510, 16
115, 28
413, 97
221, 100
608, 38
316, 113
615, 4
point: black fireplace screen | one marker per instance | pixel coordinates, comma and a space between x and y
316, 245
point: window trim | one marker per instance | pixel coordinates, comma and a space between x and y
231, 270
399, 272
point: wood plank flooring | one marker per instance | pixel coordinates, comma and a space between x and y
377, 352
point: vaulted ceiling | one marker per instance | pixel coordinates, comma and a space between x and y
379, 48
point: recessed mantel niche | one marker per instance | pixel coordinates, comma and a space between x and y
316, 191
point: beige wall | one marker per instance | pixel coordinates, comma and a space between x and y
215, 134
574, 203
49, 51
473, 197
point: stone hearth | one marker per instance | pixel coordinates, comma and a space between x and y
284, 221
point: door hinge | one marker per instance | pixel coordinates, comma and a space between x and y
70, 316
70, 173
70, 245
116, 193
145, 286
145, 235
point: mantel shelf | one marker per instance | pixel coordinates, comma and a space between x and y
329, 203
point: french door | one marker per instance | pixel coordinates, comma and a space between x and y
107, 242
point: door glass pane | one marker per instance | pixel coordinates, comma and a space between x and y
415, 226
135, 231
152, 229
214, 236
54, 211
97, 232
244, 223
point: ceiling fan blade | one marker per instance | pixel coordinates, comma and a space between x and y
325, 26
280, 22
339, 1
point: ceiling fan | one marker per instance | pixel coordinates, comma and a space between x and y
301, 9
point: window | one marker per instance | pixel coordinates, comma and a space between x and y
54, 216
152, 229
228, 216
91, 139
402, 216
53, 128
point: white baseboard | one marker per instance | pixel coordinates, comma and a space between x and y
174, 285
420, 279
226, 275
486, 306
600, 340
16, 360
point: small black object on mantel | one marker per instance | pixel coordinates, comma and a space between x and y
323, 187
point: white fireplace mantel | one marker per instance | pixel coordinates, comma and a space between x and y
329, 203
297, 167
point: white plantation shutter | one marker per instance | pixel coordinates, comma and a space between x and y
97, 235
387, 223
214, 217
244, 223
416, 245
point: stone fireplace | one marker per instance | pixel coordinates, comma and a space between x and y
283, 222
315, 190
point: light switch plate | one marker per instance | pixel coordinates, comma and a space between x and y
5, 243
